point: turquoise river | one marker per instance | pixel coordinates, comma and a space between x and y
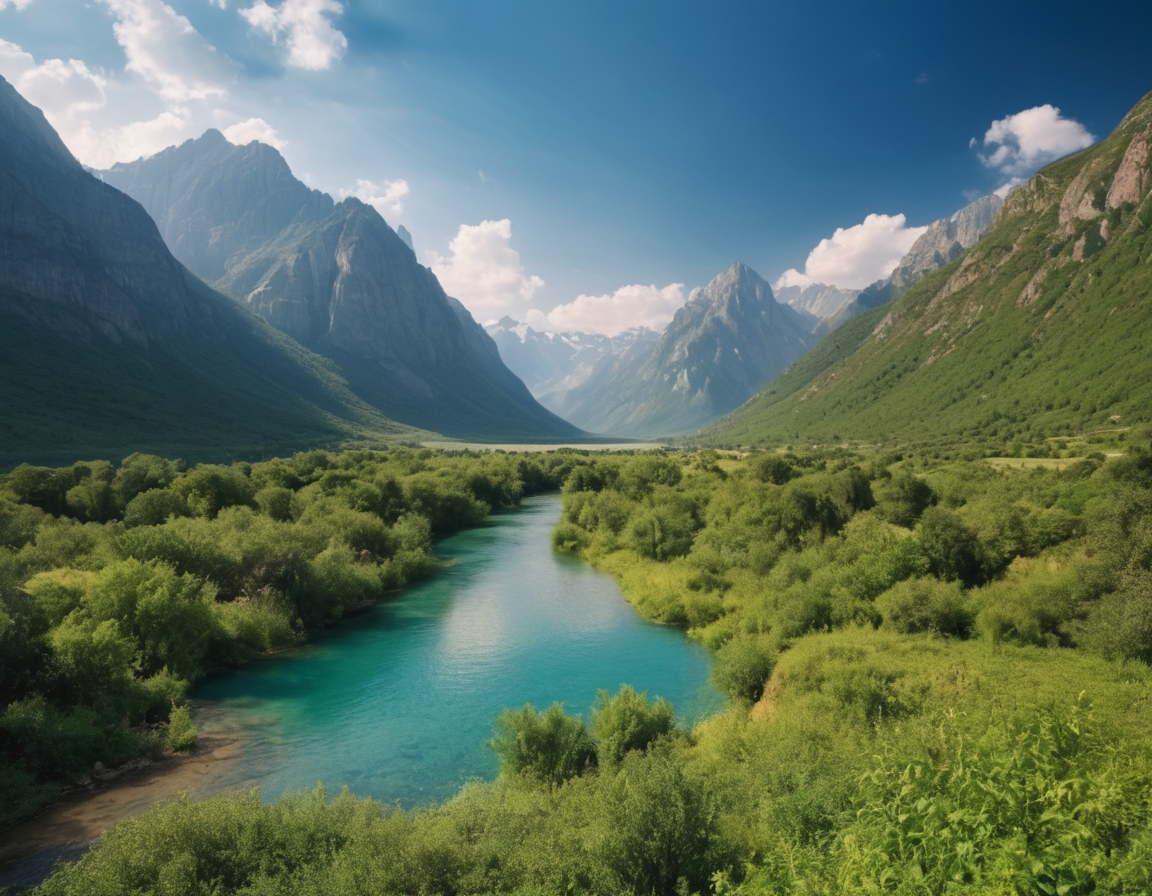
398, 702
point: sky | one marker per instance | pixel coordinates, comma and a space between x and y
586, 165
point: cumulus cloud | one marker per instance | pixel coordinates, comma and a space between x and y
856, 256
73, 97
15, 4
64, 91
244, 132
1019, 144
165, 50
304, 27
482, 269
613, 313
386, 197
104, 147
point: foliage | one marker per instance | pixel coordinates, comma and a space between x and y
121, 586
628, 721
548, 746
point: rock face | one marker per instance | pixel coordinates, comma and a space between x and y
818, 299
941, 244
108, 343
551, 365
729, 339
338, 279
77, 256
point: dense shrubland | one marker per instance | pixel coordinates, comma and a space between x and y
121, 586
939, 685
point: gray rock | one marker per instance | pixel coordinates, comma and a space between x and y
729, 339
336, 278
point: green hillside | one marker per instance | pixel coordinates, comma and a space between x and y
258, 393
1040, 330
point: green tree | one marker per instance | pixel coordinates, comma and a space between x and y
628, 721
548, 746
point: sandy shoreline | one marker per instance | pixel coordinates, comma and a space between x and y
64, 831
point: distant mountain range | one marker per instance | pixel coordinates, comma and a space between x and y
818, 299
108, 345
726, 341
553, 364
337, 279
1039, 330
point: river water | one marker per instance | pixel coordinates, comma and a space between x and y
398, 702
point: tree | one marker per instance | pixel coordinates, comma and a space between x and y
548, 746
629, 721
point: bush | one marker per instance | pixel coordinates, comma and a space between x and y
903, 498
628, 721
926, 605
743, 666
549, 747
952, 549
181, 736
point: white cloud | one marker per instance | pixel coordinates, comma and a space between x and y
165, 50
64, 91
303, 25
792, 277
244, 132
104, 147
483, 270
15, 4
1027, 140
856, 256
627, 307
70, 95
386, 197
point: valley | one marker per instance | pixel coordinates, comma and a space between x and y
835, 584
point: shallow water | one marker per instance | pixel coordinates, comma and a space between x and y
397, 703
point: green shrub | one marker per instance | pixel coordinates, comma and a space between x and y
743, 666
181, 736
628, 721
926, 605
548, 746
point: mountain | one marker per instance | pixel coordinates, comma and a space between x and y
941, 244
1040, 330
728, 340
336, 278
108, 345
553, 364
818, 299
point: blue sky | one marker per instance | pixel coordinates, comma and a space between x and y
625, 152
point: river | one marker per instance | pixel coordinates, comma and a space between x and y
398, 702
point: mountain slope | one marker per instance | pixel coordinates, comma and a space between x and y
338, 279
108, 345
941, 244
818, 299
551, 365
1041, 329
727, 341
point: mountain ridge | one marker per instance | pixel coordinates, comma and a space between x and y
1035, 332
108, 344
729, 338
338, 279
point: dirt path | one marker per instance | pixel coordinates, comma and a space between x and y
65, 830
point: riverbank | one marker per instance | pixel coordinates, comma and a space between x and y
64, 831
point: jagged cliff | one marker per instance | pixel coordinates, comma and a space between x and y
108, 345
338, 279
1040, 329
729, 339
